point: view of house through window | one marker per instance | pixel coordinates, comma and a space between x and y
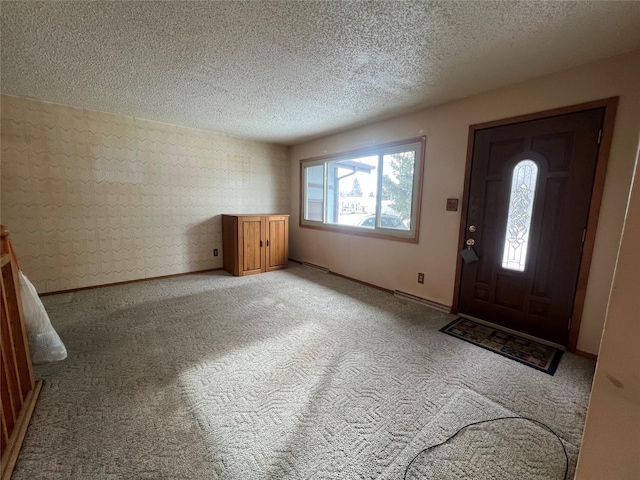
353, 190
375, 191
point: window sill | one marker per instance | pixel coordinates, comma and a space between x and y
362, 233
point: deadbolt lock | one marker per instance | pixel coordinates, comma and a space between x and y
472, 228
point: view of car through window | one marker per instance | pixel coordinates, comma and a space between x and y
386, 221
374, 192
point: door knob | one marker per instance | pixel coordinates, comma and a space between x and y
470, 242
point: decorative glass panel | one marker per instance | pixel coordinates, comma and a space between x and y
523, 191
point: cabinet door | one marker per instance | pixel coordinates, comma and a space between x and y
277, 242
250, 235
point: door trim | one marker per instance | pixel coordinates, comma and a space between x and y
610, 105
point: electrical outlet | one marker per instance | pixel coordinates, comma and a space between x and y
452, 204
215, 252
421, 278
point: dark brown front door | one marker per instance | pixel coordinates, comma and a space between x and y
527, 211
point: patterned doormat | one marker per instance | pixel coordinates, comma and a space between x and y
528, 352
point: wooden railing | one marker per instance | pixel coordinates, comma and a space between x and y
19, 389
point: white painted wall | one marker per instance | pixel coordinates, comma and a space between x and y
610, 446
395, 265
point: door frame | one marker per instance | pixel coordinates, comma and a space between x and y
610, 105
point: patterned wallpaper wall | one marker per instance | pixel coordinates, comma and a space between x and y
93, 198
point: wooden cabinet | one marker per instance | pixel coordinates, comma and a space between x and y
254, 243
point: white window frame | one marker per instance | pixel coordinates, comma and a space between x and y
416, 144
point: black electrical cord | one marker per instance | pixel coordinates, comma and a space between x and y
566, 457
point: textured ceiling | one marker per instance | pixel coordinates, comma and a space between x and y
287, 71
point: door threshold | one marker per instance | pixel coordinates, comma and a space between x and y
514, 332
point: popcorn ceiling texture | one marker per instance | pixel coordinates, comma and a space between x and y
93, 198
286, 71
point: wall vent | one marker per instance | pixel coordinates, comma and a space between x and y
423, 301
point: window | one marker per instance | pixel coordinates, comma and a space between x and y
523, 191
374, 191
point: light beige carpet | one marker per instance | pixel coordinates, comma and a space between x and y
506, 447
294, 374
